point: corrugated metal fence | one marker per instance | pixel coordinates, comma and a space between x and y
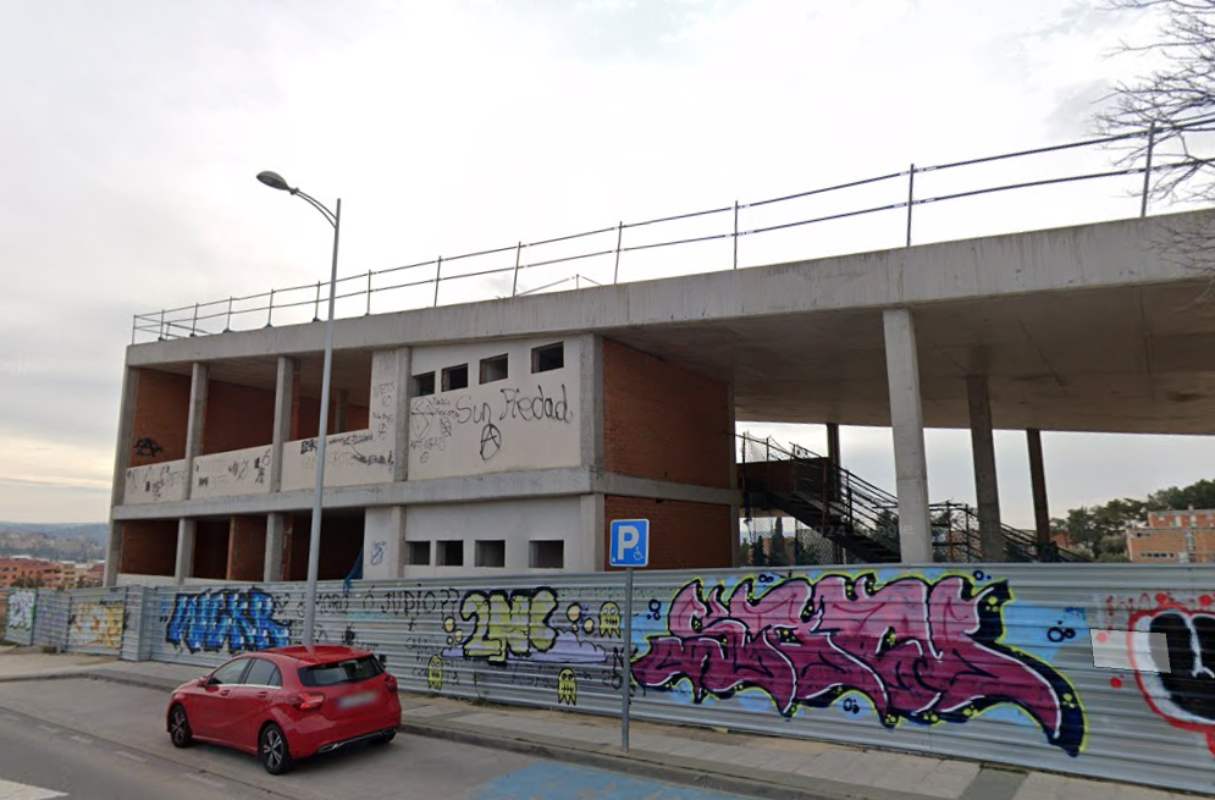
1105, 670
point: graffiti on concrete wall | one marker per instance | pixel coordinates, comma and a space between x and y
96, 625
21, 609
226, 620
436, 419
918, 650
232, 473
154, 483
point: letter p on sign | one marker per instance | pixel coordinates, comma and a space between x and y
630, 543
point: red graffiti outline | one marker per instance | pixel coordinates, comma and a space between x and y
1207, 729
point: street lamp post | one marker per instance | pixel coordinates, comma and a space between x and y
334, 218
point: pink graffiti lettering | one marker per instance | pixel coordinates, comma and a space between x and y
923, 651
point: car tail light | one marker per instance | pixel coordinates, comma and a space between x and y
309, 701
390, 682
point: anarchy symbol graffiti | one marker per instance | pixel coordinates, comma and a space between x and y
491, 441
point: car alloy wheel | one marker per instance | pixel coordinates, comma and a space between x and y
179, 727
276, 758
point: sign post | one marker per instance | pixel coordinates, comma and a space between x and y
630, 548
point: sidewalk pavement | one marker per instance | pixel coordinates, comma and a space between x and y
743, 763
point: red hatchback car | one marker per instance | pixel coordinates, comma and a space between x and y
288, 703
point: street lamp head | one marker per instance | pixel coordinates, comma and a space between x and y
274, 181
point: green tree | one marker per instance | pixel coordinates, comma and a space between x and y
757, 552
1198, 495
779, 556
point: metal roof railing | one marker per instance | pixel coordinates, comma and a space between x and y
509, 262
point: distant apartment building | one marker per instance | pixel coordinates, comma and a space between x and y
25, 571
1173, 537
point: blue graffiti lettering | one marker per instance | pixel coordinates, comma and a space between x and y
224, 618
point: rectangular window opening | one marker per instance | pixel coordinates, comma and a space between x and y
547, 554
423, 385
491, 553
455, 377
548, 357
494, 368
418, 553
449, 553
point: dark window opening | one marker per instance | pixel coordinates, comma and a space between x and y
449, 553
491, 553
547, 554
494, 369
418, 553
455, 377
548, 357
423, 385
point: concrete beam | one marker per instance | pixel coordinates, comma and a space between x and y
556, 482
983, 451
122, 461
1037, 482
183, 569
907, 416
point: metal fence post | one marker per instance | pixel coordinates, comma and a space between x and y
161, 336
316, 305
514, 284
438, 277
368, 292
194, 320
626, 685
735, 234
910, 200
134, 323
616, 270
228, 321
1147, 171
270, 309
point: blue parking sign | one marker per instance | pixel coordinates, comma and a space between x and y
630, 543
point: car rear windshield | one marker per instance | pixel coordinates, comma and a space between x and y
351, 671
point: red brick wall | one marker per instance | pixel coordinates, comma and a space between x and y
663, 422
246, 548
683, 535
237, 417
149, 547
162, 404
211, 549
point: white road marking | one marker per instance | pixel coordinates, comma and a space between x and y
131, 756
213, 784
23, 791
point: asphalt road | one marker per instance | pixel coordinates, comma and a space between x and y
82, 738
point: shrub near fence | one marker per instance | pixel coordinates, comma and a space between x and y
1090, 670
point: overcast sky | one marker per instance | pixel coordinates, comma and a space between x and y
131, 133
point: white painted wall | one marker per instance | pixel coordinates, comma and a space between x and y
527, 421
232, 473
156, 483
515, 521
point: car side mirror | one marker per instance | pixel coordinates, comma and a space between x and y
208, 680
383, 661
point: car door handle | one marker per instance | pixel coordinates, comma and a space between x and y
262, 694
224, 692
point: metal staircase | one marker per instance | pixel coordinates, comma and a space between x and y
861, 518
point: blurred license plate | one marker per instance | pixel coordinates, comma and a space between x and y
356, 700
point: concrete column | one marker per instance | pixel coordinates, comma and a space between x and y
284, 389
184, 566
122, 461
983, 449
388, 408
594, 529
833, 443
590, 366
196, 419
341, 405
383, 542
1037, 481
272, 567
907, 428
735, 507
